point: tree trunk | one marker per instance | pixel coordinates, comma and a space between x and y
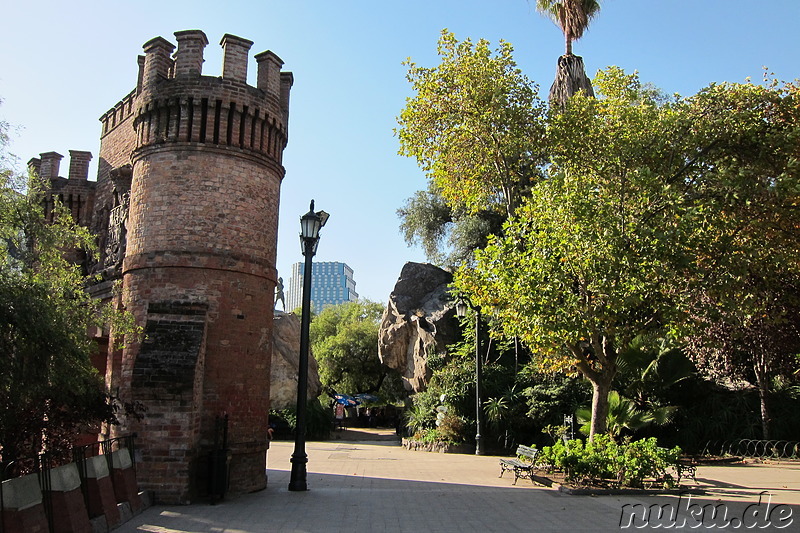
600, 375
600, 390
570, 78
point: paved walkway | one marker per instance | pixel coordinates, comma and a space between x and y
377, 486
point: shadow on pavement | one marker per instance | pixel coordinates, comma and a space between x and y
355, 504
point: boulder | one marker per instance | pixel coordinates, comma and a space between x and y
419, 320
285, 361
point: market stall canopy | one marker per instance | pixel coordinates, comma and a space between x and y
344, 399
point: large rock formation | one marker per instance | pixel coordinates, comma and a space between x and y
419, 320
285, 360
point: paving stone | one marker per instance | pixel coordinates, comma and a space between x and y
370, 486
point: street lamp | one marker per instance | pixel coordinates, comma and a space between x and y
310, 224
461, 311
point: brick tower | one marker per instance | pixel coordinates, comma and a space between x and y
187, 208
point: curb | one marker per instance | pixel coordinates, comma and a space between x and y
575, 491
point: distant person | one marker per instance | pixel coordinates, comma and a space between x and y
339, 415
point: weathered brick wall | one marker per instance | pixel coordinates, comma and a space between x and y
117, 142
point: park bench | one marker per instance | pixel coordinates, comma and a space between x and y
523, 465
686, 468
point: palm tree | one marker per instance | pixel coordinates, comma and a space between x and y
573, 17
648, 367
624, 416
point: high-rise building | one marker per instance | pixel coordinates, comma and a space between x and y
331, 283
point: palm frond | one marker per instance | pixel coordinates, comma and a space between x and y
572, 16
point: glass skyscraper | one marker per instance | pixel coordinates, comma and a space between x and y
331, 283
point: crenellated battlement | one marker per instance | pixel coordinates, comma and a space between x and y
75, 192
117, 114
210, 116
174, 102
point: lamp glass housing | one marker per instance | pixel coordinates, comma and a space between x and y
461, 309
309, 225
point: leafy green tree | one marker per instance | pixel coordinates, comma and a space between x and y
655, 214
447, 239
49, 390
577, 273
344, 341
743, 312
641, 214
474, 125
573, 17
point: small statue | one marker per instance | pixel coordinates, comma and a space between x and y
279, 296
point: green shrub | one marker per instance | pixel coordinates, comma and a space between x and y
451, 428
644, 459
626, 464
319, 420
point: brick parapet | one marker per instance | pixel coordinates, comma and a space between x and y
189, 58
79, 164
212, 111
234, 57
158, 64
76, 193
117, 115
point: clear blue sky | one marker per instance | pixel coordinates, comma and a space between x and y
64, 64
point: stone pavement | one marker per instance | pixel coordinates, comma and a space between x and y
377, 486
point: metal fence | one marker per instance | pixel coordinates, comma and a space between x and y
762, 449
43, 463
105, 448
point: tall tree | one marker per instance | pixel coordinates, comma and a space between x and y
578, 270
344, 340
448, 237
475, 126
655, 214
49, 390
744, 304
573, 17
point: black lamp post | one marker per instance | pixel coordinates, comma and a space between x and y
310, 224
461, 311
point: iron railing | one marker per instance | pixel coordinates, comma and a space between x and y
105, 448
43, 464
